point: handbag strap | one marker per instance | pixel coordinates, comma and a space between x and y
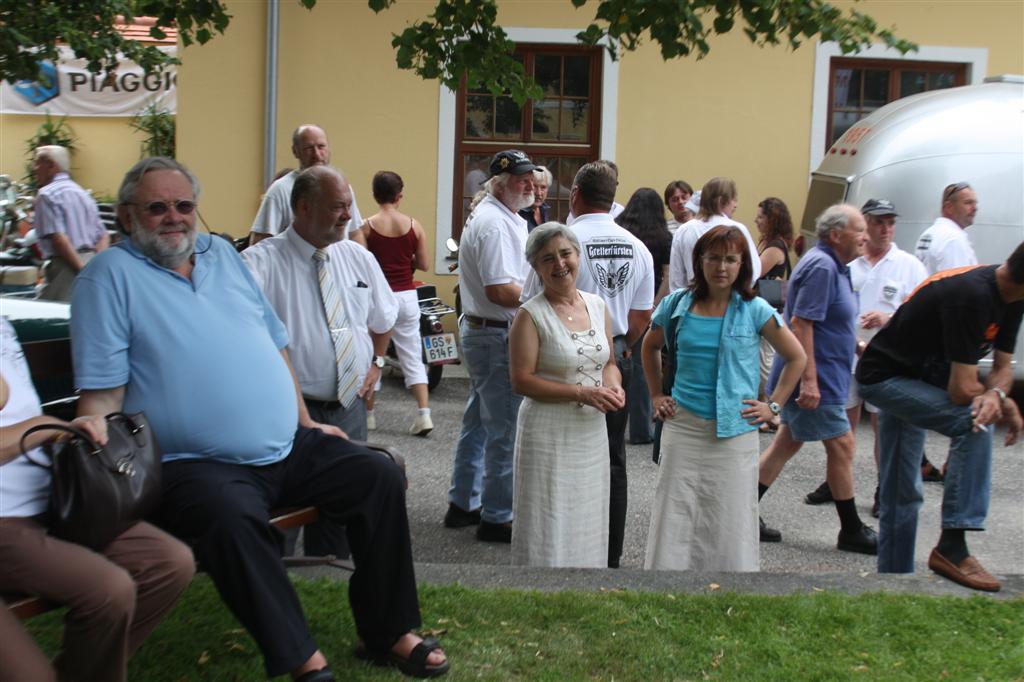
668, 378
76, 432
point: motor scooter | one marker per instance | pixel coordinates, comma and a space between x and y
439, 347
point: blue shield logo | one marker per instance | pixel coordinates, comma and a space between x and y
42, 90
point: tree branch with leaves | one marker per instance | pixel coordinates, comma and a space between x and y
460, 39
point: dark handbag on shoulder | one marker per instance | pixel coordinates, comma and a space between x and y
97, 492
773, 291
668, 377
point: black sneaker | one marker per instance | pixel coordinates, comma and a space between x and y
768, 534
863, 541
821, 495
494, 532
874, 507
457, 517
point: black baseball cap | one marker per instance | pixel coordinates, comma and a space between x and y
511, 161
879, 207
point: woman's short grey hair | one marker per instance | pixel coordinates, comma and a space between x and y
835, 217
542, 234
130, 183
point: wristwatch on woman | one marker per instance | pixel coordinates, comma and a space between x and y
774, 407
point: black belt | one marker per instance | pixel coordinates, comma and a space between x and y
481, 322
86, 250
322, 404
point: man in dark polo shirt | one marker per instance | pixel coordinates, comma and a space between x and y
921, 371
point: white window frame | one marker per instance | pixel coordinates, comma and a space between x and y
976, 59
446, 129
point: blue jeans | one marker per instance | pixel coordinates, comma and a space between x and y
482, 471
907, 408
638, 400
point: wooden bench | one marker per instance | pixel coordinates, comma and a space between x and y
283, 519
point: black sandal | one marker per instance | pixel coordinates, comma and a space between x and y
414, 666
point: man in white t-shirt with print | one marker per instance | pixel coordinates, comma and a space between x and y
616, 266
492, 269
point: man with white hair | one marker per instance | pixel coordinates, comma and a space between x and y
66, 221
492, 269
311, 148
821, 309
540, 212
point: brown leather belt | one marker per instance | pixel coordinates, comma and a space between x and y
481, 322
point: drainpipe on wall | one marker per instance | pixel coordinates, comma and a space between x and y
270, 132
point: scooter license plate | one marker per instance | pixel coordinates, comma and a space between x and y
440, 349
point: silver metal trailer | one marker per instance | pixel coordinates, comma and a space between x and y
910, 149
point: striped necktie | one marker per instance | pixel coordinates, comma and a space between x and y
341, 332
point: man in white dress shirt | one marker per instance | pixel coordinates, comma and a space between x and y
883, 277
492, 269
311, 148
285, 269
945, 244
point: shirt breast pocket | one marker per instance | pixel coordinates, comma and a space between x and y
742, 334
357, 305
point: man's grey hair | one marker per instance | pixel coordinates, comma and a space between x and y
497, 184
542, 174
835, 217
542, 234
130, 183
59, 155
309, 184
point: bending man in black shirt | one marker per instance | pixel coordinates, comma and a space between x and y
921, 371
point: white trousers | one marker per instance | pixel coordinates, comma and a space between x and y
406, 335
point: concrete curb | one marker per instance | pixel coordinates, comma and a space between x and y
608, 580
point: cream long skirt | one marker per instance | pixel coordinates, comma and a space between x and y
704, 516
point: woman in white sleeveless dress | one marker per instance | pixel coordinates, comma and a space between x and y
559, 356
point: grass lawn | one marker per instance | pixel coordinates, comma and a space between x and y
515, 635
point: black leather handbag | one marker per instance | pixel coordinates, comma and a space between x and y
97, 493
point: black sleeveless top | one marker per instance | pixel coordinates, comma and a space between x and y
782, 270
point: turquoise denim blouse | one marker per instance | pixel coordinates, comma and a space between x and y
738, 353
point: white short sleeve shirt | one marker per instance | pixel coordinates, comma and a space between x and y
275, 212
492, 251
943, 246
884, 286
680, 265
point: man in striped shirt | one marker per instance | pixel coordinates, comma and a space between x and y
67, 223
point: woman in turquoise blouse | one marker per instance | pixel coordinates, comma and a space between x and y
705, 508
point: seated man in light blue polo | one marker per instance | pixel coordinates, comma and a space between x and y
172, 324
821, 309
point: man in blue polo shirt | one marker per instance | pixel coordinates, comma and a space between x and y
821, 309
174, 325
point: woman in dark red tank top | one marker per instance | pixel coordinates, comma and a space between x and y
398, 243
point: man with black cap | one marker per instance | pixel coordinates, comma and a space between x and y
883, 277
492, 269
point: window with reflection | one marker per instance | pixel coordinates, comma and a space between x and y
560, 131
859, 86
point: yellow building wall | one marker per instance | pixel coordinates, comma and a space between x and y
743, 111
105, 148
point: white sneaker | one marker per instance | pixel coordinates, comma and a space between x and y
371, 422
422, 425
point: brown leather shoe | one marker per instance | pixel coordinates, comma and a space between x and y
970, 573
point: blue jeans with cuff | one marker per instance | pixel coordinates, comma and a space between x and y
482, 471
908, 407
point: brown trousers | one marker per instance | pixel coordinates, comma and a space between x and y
115, 598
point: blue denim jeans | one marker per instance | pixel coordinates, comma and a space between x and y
638, 400
907, 408
482, 471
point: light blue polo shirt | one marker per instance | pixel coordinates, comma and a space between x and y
200, 357
739, 354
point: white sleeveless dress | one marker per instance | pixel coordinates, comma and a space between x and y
560, 500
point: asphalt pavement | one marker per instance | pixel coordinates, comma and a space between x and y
806, 558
